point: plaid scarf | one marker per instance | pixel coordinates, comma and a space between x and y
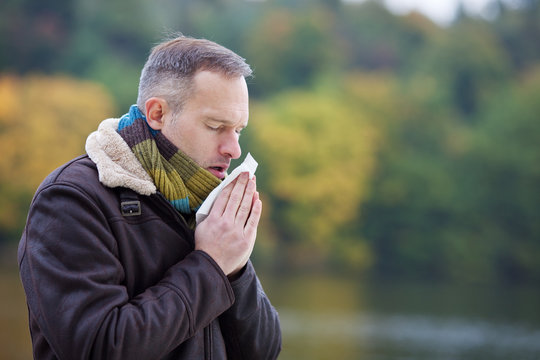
184, 183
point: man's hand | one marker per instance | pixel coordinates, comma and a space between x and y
228, 233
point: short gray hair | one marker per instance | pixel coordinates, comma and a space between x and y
169, 70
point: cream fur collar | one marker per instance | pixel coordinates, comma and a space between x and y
117, 165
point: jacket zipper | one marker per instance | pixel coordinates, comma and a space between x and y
208, 333
208, 342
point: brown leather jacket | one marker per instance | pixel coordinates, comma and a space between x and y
104, 282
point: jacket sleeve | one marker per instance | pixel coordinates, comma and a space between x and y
73, 280
251, 326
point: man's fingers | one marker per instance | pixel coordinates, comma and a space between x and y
237, 194
252, 223
228, 234
246, 204
237, 199
222, 199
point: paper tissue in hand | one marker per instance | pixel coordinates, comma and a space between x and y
248, 165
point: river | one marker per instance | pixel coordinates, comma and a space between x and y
336, 317
330, 317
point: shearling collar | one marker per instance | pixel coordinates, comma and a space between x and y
117, 165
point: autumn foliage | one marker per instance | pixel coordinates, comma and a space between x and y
44, 122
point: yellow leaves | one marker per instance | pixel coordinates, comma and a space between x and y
44, 122
8, 97
320, 150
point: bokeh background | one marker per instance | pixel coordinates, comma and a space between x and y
398, 150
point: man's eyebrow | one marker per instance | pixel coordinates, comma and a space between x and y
215, 119
224, 121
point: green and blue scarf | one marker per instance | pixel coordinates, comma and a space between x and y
182, 181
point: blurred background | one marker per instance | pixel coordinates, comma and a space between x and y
399, 158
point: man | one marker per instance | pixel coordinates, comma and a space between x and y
111, 260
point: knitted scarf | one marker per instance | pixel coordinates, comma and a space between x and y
184, 183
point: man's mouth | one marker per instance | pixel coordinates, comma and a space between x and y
218, 171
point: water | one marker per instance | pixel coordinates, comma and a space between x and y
337, 318
379, 336
326, 317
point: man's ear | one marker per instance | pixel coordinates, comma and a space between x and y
156, 111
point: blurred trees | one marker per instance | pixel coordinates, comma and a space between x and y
317, 151
34, 33
504, 165
388, 144
299, 43
44, 122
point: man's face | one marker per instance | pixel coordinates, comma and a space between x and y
209, 125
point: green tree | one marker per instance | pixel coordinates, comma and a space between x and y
291, 49
464, 64
317, 154
504, 167
373, 38
33, 33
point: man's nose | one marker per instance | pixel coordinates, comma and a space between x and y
230, 147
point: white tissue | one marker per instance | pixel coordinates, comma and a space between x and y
248, 165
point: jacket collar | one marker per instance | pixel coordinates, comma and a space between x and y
116, 164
